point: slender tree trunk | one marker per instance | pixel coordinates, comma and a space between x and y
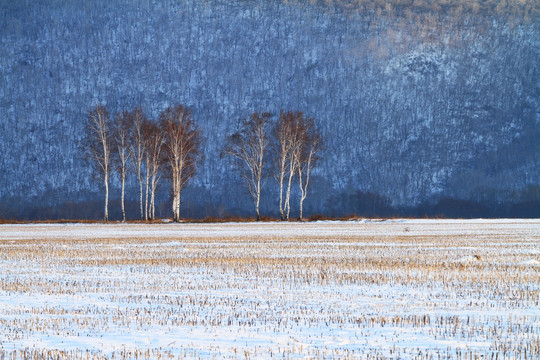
178, 205
175, 195
304, 186
146, 195
152, 207
179, 190
154, 204
141, 195
257, 202
152, 198
175, 219
281, 213
123, 195
288, 197
301, 217
106, 195
302, 195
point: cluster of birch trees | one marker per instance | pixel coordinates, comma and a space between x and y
294, 143
172, 147
150, 149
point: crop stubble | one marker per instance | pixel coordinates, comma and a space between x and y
394, 289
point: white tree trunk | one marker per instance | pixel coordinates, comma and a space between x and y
176, 191
152, 198
178, 205
301, 217
123, 195
257, 202
175, 218
288, 197
152, 206
281, 213
304, 185
141, 196
302, 195
146, 195
106, 195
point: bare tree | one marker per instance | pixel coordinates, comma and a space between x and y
282, 135
297, 143
97, 144
294, 153
155, 139
138, 149
248, 147
146, 134
293, 122
121, 140
310, 144
182, 149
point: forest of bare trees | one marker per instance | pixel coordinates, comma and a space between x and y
425, 107
172, 148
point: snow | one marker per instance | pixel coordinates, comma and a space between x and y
79, 231
324, 289
530, 262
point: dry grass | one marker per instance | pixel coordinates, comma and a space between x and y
472, 287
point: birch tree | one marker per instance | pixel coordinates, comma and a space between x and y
146, 133
138, 150
182, 149
97, 144
247, 147
289, 135
294, 153
282, 136
154, 141
310, 144
121, 141
297, 143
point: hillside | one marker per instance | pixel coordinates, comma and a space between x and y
418, 103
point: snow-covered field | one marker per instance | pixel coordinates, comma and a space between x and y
388, 289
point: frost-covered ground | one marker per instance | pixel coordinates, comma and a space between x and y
398, 289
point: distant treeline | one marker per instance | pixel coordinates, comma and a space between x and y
365, 204
343, 206
427, 108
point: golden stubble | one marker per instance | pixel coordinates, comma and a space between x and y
449, 284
